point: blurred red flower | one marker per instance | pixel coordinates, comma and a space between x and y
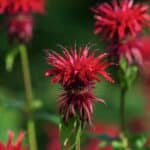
99, 129
53, 137
10, 145
3, 5
138, 125
77, 73
129, 49
20, 27
117, 20
19, 17
21, 6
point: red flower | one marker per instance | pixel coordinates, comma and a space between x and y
3, 5
144, 43
116, 21
77, 73
19, 17
100, 129
138, 125
20, 27
22, 6
10, 145
53, 137
129, 49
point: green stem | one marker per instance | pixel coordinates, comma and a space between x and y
122, 110
29, 97
78, 137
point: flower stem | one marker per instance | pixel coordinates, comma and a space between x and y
29, 97
78, 136
122, 110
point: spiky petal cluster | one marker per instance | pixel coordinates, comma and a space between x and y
21, 6
129, 49
76, 72
117, 20
10, 145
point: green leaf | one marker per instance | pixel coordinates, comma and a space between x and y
123, 64
131, 74
102, 137
47, 117
10, 58
14, 104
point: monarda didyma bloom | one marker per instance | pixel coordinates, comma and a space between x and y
120, 19
19, 17
77, 73
10, 145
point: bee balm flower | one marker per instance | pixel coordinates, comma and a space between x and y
10, 145
19, 17
117, 20
77, 73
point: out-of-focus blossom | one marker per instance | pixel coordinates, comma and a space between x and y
129, 49
144, 46
138, 125
53, 137
20, 27
101, 129
135, 50
77, 73
3, 5
118, 20
10, 146
19, 17
12, 7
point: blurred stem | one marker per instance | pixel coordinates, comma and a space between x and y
29, 97
78, 137
122, 110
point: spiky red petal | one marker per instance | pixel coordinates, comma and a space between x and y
77, 73
117, 20
10, 145
21, 6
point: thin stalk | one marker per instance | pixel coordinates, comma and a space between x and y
122, 110
29, 97
78, 137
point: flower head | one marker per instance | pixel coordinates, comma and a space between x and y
117, 20
129, 49
19, 17
20, 27
21, 6
10, 145
77, 73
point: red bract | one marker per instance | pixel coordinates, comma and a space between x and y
117, 20
76, 72
20, 27
22, 6
10, 145
129, 49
